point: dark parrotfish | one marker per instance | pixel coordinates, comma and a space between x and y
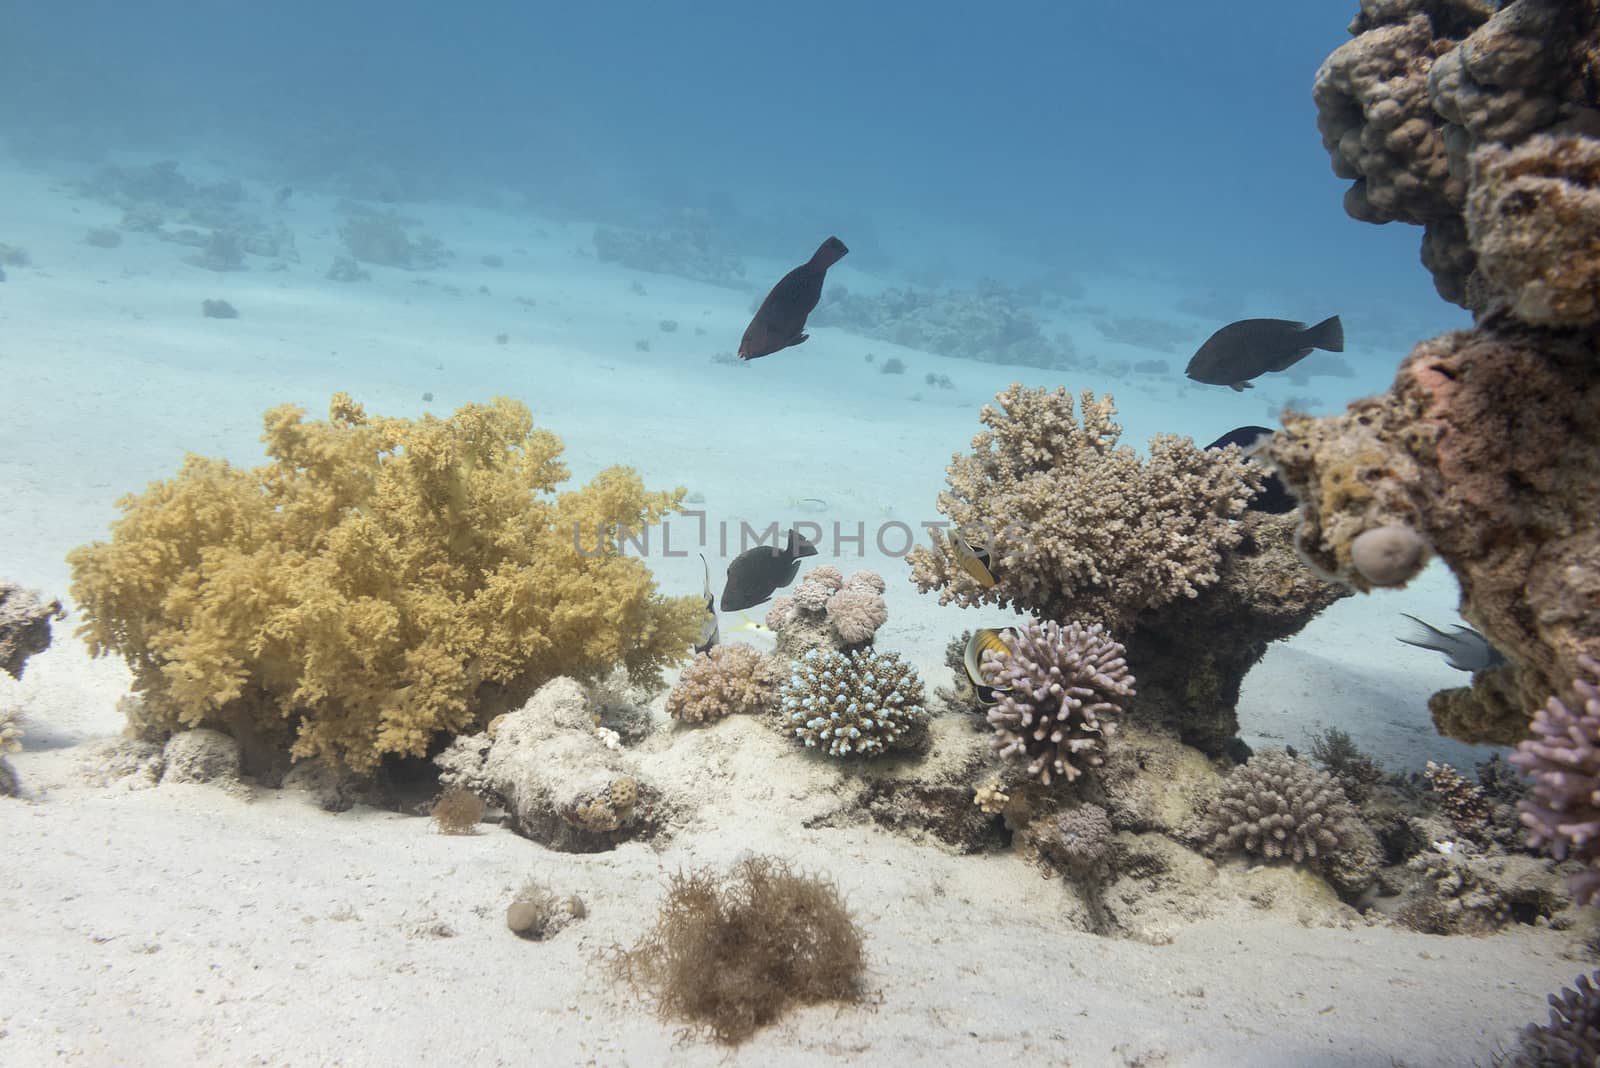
1250, 347
1274, 497
756, 573
1465, 650
781, 319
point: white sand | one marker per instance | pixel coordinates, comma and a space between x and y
192, 924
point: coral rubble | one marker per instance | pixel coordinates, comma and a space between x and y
989, 324
380, 582
25, 619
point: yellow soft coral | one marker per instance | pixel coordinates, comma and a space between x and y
381, 581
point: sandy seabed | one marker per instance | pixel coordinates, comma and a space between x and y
197, 924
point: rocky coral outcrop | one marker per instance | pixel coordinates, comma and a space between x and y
25, 619
549, 767
726, 680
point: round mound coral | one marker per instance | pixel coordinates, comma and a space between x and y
860, 703
1055, 687
1277, 806
728, 680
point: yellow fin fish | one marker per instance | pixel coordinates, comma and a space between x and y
974, 562
982, 640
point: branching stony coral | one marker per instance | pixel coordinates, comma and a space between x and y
727, 680
827, 610
1278, 806
376, 582
1563, 758
859, 703
1056, 688
1078, 526
1572, 1037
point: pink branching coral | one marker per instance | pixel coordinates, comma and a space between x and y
1078, 526
828, 611
1278, 806
1058, 682
1563, 758
728, 680
1573, 1034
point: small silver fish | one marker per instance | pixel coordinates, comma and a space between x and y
709, 632
1465, 650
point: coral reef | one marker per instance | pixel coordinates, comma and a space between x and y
1407, 107
548, 765
380, 582
1078, 526
1465, 893
1462, 801
726, 680
692, 249
1143, 332
1572, 1037
1056, 687
25, 619
1562, 756
731, 953
1477, 122
381, 238
1488, 448
828, 611
1280, 807
862, 703
988, 324
1079, 840
1161, 550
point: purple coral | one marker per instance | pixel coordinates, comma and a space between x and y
1057, 683
1573, 1034
1563, 758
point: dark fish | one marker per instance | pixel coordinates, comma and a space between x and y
1274, 497
781, 320
709, 632
1250, 347
756, 573
1465, 650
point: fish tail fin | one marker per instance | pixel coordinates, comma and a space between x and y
829, 253
1424, 636
798, 546
1328, 334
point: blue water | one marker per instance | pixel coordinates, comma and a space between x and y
1169, 139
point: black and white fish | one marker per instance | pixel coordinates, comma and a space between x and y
709, 633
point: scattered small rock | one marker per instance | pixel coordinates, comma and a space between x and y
501, 339
103, 237
218, 309
669, 326
643, 344
894, 365
427, 398
491, 260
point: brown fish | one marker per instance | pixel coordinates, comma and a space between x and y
1250, 347
781, 319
